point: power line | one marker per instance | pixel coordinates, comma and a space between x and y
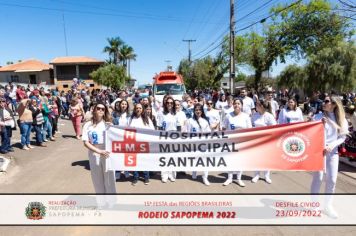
218, 30
265, 18
250, 25
224, 32
157, 18
254, 10
207, 15
241, 18
191, 22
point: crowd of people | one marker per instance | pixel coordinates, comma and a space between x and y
38, 110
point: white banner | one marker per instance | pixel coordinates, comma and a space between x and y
174, 210
282, 147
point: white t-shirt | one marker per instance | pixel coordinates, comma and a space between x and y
275, 107
167, 122
226, 110
138, 123
182, 118
123, 119
213, 117
9, 121
94, 134
235, 122
219, 105
287, 116
248, 105
265, 119
193, 126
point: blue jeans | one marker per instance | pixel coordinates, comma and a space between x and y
6, 134
146, 174
47, 127
14, 105
25, 129
38, 130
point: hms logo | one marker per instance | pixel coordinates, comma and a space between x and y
130, 147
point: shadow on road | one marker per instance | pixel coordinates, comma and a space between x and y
85, 164
69, 136
346, 168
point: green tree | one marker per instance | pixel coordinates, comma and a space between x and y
332, 68
113, 49
126, 55
308, 27
292, 77
203, 73
110, 75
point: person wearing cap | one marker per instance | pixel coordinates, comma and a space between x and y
25, 123
7, 123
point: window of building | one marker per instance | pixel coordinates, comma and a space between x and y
65, 85
33, 79
91, 85
224, 84
14, 78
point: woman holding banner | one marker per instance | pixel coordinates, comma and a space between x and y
139, 119
263, 117
120, 116
93, 137
234, 121
335, 129
198, 123
167, 120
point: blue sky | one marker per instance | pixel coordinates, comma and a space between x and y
155, 29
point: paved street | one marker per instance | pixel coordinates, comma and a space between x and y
63, 167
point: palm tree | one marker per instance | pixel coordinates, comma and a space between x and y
114, 49
126, 55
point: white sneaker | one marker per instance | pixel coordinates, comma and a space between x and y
268, 180
255, 179
194, 175
206, 181
164, 180
25, 148
330, 211
171, 178
30, 147
227, 182
241, 183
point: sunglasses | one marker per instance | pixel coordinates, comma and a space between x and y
326, 101
100, 108
210, 103
169, 102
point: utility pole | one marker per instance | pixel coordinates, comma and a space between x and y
232, 46
189, 50
169, 67
65, 34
